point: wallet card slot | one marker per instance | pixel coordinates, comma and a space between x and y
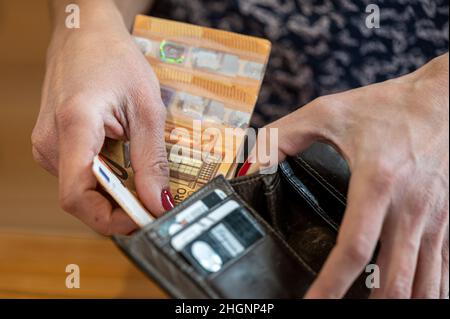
153, 230
267, 270
221, 236
191, 214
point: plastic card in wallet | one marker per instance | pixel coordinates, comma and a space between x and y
217, 238
223, 250
189, 214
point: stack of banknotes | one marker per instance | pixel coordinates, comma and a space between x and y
210, 80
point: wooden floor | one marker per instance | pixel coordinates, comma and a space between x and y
38, 239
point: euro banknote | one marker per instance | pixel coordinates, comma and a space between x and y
210, 80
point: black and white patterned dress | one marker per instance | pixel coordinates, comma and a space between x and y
321, 47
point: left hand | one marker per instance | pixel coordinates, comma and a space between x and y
395, 138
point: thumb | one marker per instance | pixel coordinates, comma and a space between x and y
148, 153
291, 135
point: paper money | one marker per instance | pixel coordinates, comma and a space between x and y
210, 80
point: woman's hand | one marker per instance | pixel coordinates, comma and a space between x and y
395, 138
99, 84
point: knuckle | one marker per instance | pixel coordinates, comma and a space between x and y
327, 118
358, 251
328, 106
64, 115
37, 156
39, 138
42, 149
37, 144
152, 115
68, 201
36, 139
160, 167
420, 202
382, 174
148, 98
322, 107
157, 165
69, 110
322, 102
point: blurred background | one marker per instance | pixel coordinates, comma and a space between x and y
38, 239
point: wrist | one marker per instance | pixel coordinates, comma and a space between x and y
97, 18
94, 16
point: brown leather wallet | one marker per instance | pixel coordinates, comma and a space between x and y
297, 209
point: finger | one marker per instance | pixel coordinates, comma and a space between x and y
81, 136
398, 256
368, 202
427, 279
148, 152
444, 269
290, 135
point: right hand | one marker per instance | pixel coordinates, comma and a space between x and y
97, 85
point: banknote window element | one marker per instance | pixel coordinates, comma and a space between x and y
238, 119
215, 111
206, 59
209, 60
145, 46
171, 52
254, 70
193, 106
230, 64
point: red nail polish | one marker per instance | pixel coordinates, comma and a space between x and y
244, 168
167, 199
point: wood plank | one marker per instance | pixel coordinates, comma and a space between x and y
33, 266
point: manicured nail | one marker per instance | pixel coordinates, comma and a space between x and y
167, 199
244, 169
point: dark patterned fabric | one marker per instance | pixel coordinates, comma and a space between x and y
321, 47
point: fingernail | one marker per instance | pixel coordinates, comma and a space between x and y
244, 169
167, 199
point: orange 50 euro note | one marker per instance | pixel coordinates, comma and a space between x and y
210, 80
